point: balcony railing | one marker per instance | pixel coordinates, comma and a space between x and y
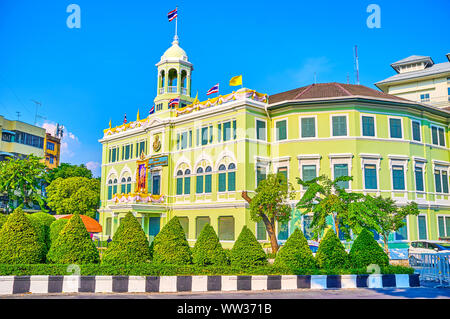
161, 90
172, 89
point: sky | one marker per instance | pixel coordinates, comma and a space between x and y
86, 76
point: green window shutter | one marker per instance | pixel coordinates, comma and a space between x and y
210, 134
398, 178
308, 127
370, 176
434, 135
108, 226
339, 125
226, 131
444, 182
437, 181
109, 158
199, 184
281, 133
421, 221
109, 192
416, 131
260, 130
179, 186
234, 129
200, 222
208, 186
231, 181
260, 174
204, 135
395, 128
261, 233
122, 188
128, 188
339, 171
308, 172
441, 136
226, 228
222, 182
187, 185
447, 226
219, 132
115, 189
419, 179
441, 226
368, 124
178, 141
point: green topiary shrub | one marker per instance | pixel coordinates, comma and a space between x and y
3, 219
170, 245
44, 220
73, 245
208, 250
19, 242
39, 228
365, 251
246, 251
295, 253
331, 252
56, 227
129, 244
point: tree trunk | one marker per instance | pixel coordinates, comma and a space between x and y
386, 248
270, 226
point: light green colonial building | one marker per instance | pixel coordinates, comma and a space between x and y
193, 161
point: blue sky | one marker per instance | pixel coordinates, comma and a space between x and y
83, 77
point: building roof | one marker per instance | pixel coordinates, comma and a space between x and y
432, 70
92, 226
330, 90
175, 51
412, 59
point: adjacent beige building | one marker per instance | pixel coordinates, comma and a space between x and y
419, 79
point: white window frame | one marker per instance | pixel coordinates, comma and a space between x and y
441, 167
346, 122
275, 129
370, 159
401, 125
399, 160
374, 124
341, 159
281, 162
431, 135
300, 127
256, 129
424, 100
420, 131
310, 159
419, 162
445, 224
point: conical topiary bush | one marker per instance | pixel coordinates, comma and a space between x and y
331, 253
246, 251
129, 244
56, 227
40, 230
73, 245
295, 253
365, 251
207, 249
19, 242
170, 245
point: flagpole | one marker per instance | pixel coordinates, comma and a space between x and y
176, 24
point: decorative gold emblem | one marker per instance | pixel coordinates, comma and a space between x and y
156, 144
142, 157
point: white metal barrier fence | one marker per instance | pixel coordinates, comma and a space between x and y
434, 267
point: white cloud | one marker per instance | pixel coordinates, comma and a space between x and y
68, 142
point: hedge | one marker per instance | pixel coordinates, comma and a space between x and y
19, 241
151, 269
365, 251
207, 249
247, 251
295, 253
170, 245
129, 244
331, 253
73, 245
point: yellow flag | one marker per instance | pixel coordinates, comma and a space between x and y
196, 99
137, 116
109, 123
236, 80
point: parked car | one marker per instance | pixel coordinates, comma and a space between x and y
426, 247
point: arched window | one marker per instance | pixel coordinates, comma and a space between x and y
231, 177
162, 78
222, 178
128, 185
123, 185
183, 78
208, 179
180, 182
110, 189
199, 184
173, 81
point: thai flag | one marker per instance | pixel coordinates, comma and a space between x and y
152, 109
174, 102
172, 14
214, 89
125, 119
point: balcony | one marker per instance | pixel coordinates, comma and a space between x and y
172, 89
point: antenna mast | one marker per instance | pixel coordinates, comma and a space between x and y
356, 64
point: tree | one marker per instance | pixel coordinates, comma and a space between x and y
129, 245
73, 245
324, 197
246, 251
207, 249
22, 180
170, 245
73, 195
19, 242
389, 217
66, 170
270, 204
